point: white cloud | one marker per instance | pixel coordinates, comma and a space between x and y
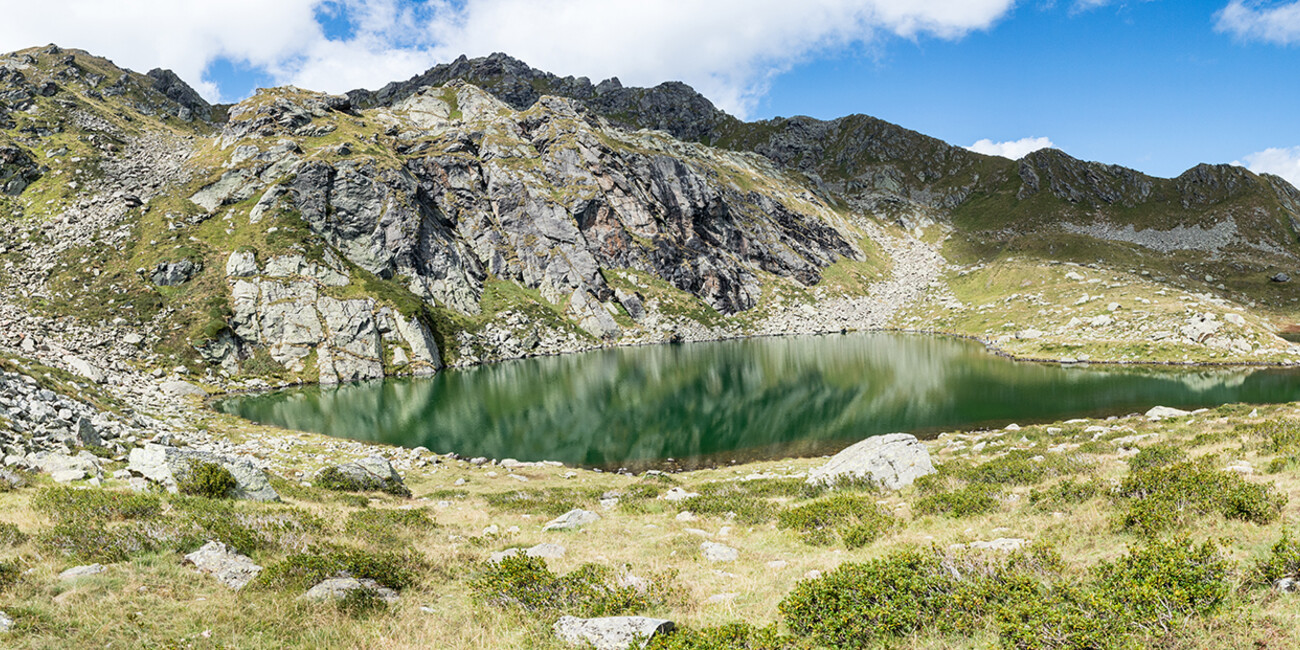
184, 36
1013, 149
727, 49
1256, 21
1284, 162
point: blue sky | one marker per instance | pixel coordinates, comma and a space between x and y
1158, 85
1151, 85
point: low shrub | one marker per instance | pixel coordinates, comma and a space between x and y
549, 501
301, 571
1067, 493
974, 499
10, 536
1166, 581
389, 522
1283, 561
855, 519
1163, 498
10, 573
859, 605
64, 503
332, 478
1159, 455
206, 479
1024, 468
732, 636
1279, 435
590, 590
362, 603
94, 541
729, 498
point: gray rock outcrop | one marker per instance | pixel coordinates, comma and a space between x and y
893, 461
336, 589
369, 473
163, 465
225, 564
572, 519
611, 632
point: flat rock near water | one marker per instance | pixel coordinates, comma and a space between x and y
893, 460
611, 632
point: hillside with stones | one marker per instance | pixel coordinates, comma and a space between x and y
484, 210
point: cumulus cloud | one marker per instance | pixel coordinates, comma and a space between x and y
1277, 23
728, 49
183, 36
1284, 162
1013, 149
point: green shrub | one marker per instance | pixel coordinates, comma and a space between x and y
94, 541
10, 572
1074, 617
10, 535
332, 478
728, 498
1283, 561
1156, 456
974, 499
859, 605
1280, 436
549, 501
732, 636
1162, 498
301, 571
388, 522
856, 519
1067, 493
362, 603
1166, 581
206, 479
64, 503
1024, 468
590, 590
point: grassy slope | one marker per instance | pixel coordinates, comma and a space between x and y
151, 600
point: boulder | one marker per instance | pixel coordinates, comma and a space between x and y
242, 264
572, 519
1281, 277
182, 388
544, 550
610, 632
335, 589
163, 464
715, 552
171, 274
370, 473
1162, 412
65, 468
86, 433
225, 564
83, 571
678, 494
82, 367
893, 460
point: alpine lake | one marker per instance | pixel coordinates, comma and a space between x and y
684, 406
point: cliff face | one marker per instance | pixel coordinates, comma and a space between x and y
485, 209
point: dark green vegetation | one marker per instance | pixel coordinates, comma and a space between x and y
759, 398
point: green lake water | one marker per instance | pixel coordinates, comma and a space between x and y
710, 403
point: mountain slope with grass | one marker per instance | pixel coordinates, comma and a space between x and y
157, 250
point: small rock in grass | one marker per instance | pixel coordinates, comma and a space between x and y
572, 519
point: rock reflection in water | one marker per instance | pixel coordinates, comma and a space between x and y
737, 400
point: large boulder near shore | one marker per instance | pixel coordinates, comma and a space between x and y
610, 632
893, 461
164, 465
370, 473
